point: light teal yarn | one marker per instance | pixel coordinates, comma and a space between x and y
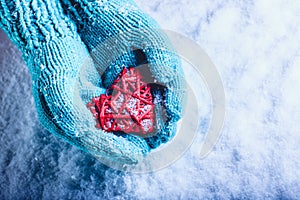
99, 21
56, 39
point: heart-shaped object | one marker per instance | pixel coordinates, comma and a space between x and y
127, 105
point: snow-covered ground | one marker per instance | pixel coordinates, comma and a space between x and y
254, 45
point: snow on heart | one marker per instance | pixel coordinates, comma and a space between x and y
127, 105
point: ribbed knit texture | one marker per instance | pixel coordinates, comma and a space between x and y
57, 39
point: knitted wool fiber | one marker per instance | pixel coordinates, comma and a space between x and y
99, 21
55, 48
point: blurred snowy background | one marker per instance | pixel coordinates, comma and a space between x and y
255, 45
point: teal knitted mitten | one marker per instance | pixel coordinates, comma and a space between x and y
54, 54
111, 30
57, 51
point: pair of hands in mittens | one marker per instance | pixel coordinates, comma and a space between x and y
75, 49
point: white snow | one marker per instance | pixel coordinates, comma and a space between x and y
255, 47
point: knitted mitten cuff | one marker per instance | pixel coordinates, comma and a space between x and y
28, 23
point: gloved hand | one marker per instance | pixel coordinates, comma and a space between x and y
111, 31
55, 48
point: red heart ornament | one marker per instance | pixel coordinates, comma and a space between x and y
127, 106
